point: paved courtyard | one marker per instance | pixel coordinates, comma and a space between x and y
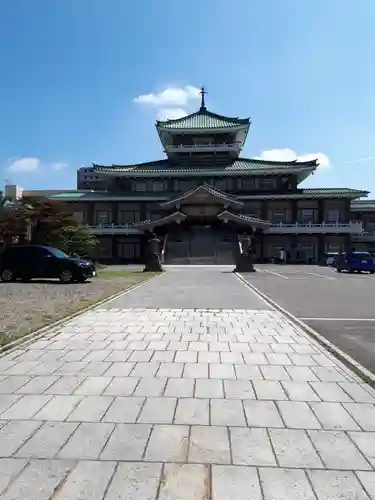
155, 397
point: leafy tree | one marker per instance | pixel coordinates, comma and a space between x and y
44, 222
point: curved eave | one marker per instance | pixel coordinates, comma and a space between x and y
223, 197
203, 130
227, 216
150, 224
228, 122
303, 171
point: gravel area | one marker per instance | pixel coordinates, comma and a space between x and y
25, 307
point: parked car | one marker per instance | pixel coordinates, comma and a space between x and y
35, 261
355, 261
329, 258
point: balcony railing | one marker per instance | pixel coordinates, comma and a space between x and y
324, 227
114, 229
223, 146
354, 228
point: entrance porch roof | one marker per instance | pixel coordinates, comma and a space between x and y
227, 216
201, 193
150, 224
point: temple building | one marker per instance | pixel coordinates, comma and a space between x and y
204, 194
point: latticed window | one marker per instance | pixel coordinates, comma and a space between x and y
306, 216
103, 217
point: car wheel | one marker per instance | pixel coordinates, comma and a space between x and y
25, 279
7, 275
82, 279
372, 271
338, 270
66, 276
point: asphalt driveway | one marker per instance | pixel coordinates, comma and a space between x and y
341, 307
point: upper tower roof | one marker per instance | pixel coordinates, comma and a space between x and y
203, 120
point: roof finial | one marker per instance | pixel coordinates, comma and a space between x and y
203, 103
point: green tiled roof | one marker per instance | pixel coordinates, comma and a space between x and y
238, 165
70, 194
333, 191
203, 119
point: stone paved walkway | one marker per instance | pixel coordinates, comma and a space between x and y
176, 403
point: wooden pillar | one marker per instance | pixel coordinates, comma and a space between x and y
347, 215
114, 248
115, 213
90, 214
320, 212
294, 211
142, 210
264, 210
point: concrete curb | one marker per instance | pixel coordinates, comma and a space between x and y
37, 334
362, 372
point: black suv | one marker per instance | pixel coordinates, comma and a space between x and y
33, 261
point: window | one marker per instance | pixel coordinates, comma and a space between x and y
105, 248
129, 250
278, 216
140, 186
248, 184
369, 224
158, 186
220, 184
267, 184
332, 248
333, 216
129, 216
102, 217
184, 185
306, 216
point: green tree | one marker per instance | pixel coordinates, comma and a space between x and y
76, 240
44, 222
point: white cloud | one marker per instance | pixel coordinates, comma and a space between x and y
287, 154
170, 103
28, 164
170, 114
171, 96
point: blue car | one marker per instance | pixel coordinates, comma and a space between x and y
355, 262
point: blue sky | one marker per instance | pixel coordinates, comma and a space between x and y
71, 72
